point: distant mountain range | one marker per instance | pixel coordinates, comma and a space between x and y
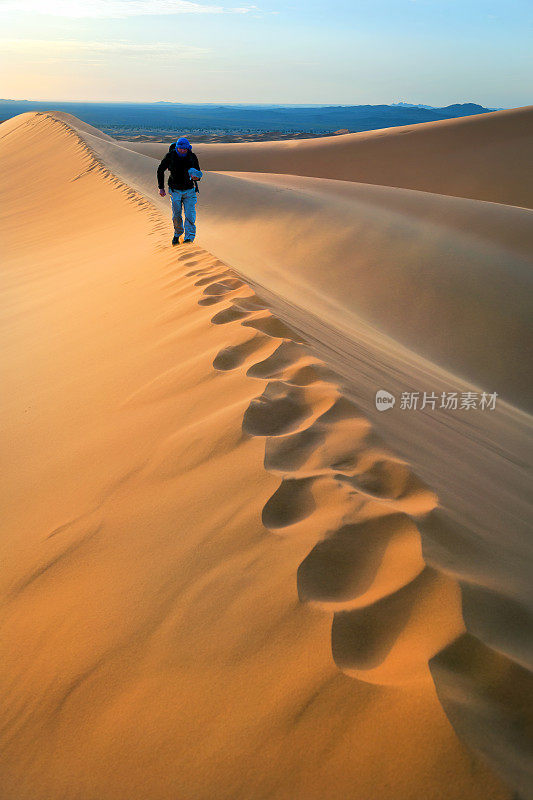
412, 105
166, 116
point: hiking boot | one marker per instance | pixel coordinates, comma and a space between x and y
188, 241
176, 240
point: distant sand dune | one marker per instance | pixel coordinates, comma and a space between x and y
482, 157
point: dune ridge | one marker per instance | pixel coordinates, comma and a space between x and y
351, 488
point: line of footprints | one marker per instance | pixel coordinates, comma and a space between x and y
355, 501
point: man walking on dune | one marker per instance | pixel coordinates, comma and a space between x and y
184, 170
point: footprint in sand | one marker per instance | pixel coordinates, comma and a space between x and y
329, 445
231, 314
283, 408
392, 480
276, 365
210, 301
223, 287
360, 563
290, 503
235, 355
392, 640
210, 278
274, 327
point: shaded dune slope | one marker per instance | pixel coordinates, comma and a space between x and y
366, 537
482, 157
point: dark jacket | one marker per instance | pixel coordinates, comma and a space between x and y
178, 167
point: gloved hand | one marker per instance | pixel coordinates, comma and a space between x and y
162, 193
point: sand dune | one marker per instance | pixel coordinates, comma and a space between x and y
293, 236
483, 157
193, 449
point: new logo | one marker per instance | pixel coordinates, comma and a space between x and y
384, 400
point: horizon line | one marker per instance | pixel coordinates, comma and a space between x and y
250, 103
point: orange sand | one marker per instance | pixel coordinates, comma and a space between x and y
191, 493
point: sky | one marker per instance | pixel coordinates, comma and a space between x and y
347, 52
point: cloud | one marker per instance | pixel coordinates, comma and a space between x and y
48, 51
116, 8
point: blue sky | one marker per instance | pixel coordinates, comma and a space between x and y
335, 51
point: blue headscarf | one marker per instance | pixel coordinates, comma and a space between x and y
184, 144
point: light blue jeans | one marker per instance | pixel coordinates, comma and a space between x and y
187, 198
